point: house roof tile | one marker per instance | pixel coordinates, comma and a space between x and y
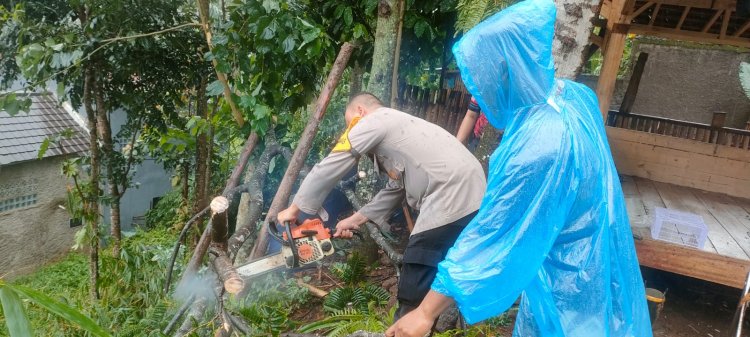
22, 135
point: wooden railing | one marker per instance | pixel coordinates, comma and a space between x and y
443, 107
714, 133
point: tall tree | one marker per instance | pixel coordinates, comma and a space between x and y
79, 46
384, 48
572, 29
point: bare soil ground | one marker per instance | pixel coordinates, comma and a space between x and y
694, 307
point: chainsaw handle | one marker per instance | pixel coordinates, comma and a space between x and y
274, 232
292, 246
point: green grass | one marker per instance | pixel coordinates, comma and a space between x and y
130, 287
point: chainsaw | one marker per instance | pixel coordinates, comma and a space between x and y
302, 245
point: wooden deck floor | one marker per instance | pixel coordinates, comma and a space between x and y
725, 258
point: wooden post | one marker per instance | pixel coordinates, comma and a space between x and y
635, 81
717, 123
614, 44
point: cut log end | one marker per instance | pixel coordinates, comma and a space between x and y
219, 204
234, 285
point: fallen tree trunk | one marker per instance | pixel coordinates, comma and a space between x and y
203, 243
194, 315
219, 256
281, 199
251, 201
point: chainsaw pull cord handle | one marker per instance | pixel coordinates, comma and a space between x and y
292, 246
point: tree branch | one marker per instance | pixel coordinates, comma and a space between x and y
281, 198
204, 15
106, 42
135, 36
131, 157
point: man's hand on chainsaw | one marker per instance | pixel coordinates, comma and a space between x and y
345, 227
288, 215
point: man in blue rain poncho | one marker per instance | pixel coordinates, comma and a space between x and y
552, 226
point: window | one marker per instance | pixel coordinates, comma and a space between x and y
17, 202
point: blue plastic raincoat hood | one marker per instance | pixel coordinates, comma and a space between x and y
552, 226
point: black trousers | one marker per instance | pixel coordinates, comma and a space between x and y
423, 253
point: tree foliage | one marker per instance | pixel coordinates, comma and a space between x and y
472, 12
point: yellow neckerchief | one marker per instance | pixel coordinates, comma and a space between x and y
343, 144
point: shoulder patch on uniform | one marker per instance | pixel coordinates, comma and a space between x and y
343, 144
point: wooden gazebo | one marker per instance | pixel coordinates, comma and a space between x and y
706, 21
698, 168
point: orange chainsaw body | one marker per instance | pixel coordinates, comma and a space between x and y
312, 240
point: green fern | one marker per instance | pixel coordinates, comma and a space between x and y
267, 319
347, 321
745, 78
351, 272
472, 12
359, 298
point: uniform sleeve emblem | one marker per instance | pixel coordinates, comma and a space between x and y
343, 144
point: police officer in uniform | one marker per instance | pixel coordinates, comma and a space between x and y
425, 164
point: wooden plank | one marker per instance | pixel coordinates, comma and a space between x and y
709, 4
725, 24
637, 214
671, 33
682, 17
692, 262
614, 44
680, 198
742, 29
735, 207
640, 10
718, 207
712, 21
652, 199
654, 14
742, 202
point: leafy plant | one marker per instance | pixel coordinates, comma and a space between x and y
353, 271
132, 303
169, 212
472, 12
15, 317
360, 298
348, 321
269, 304
267, 319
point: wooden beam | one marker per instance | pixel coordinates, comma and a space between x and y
635, 80
606, 9
711, 22
742, 29
692, 262
682, 17
640, 10
596, 39
707, 4
610, 66
684, 35
614, 44
654, 14
725, 24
